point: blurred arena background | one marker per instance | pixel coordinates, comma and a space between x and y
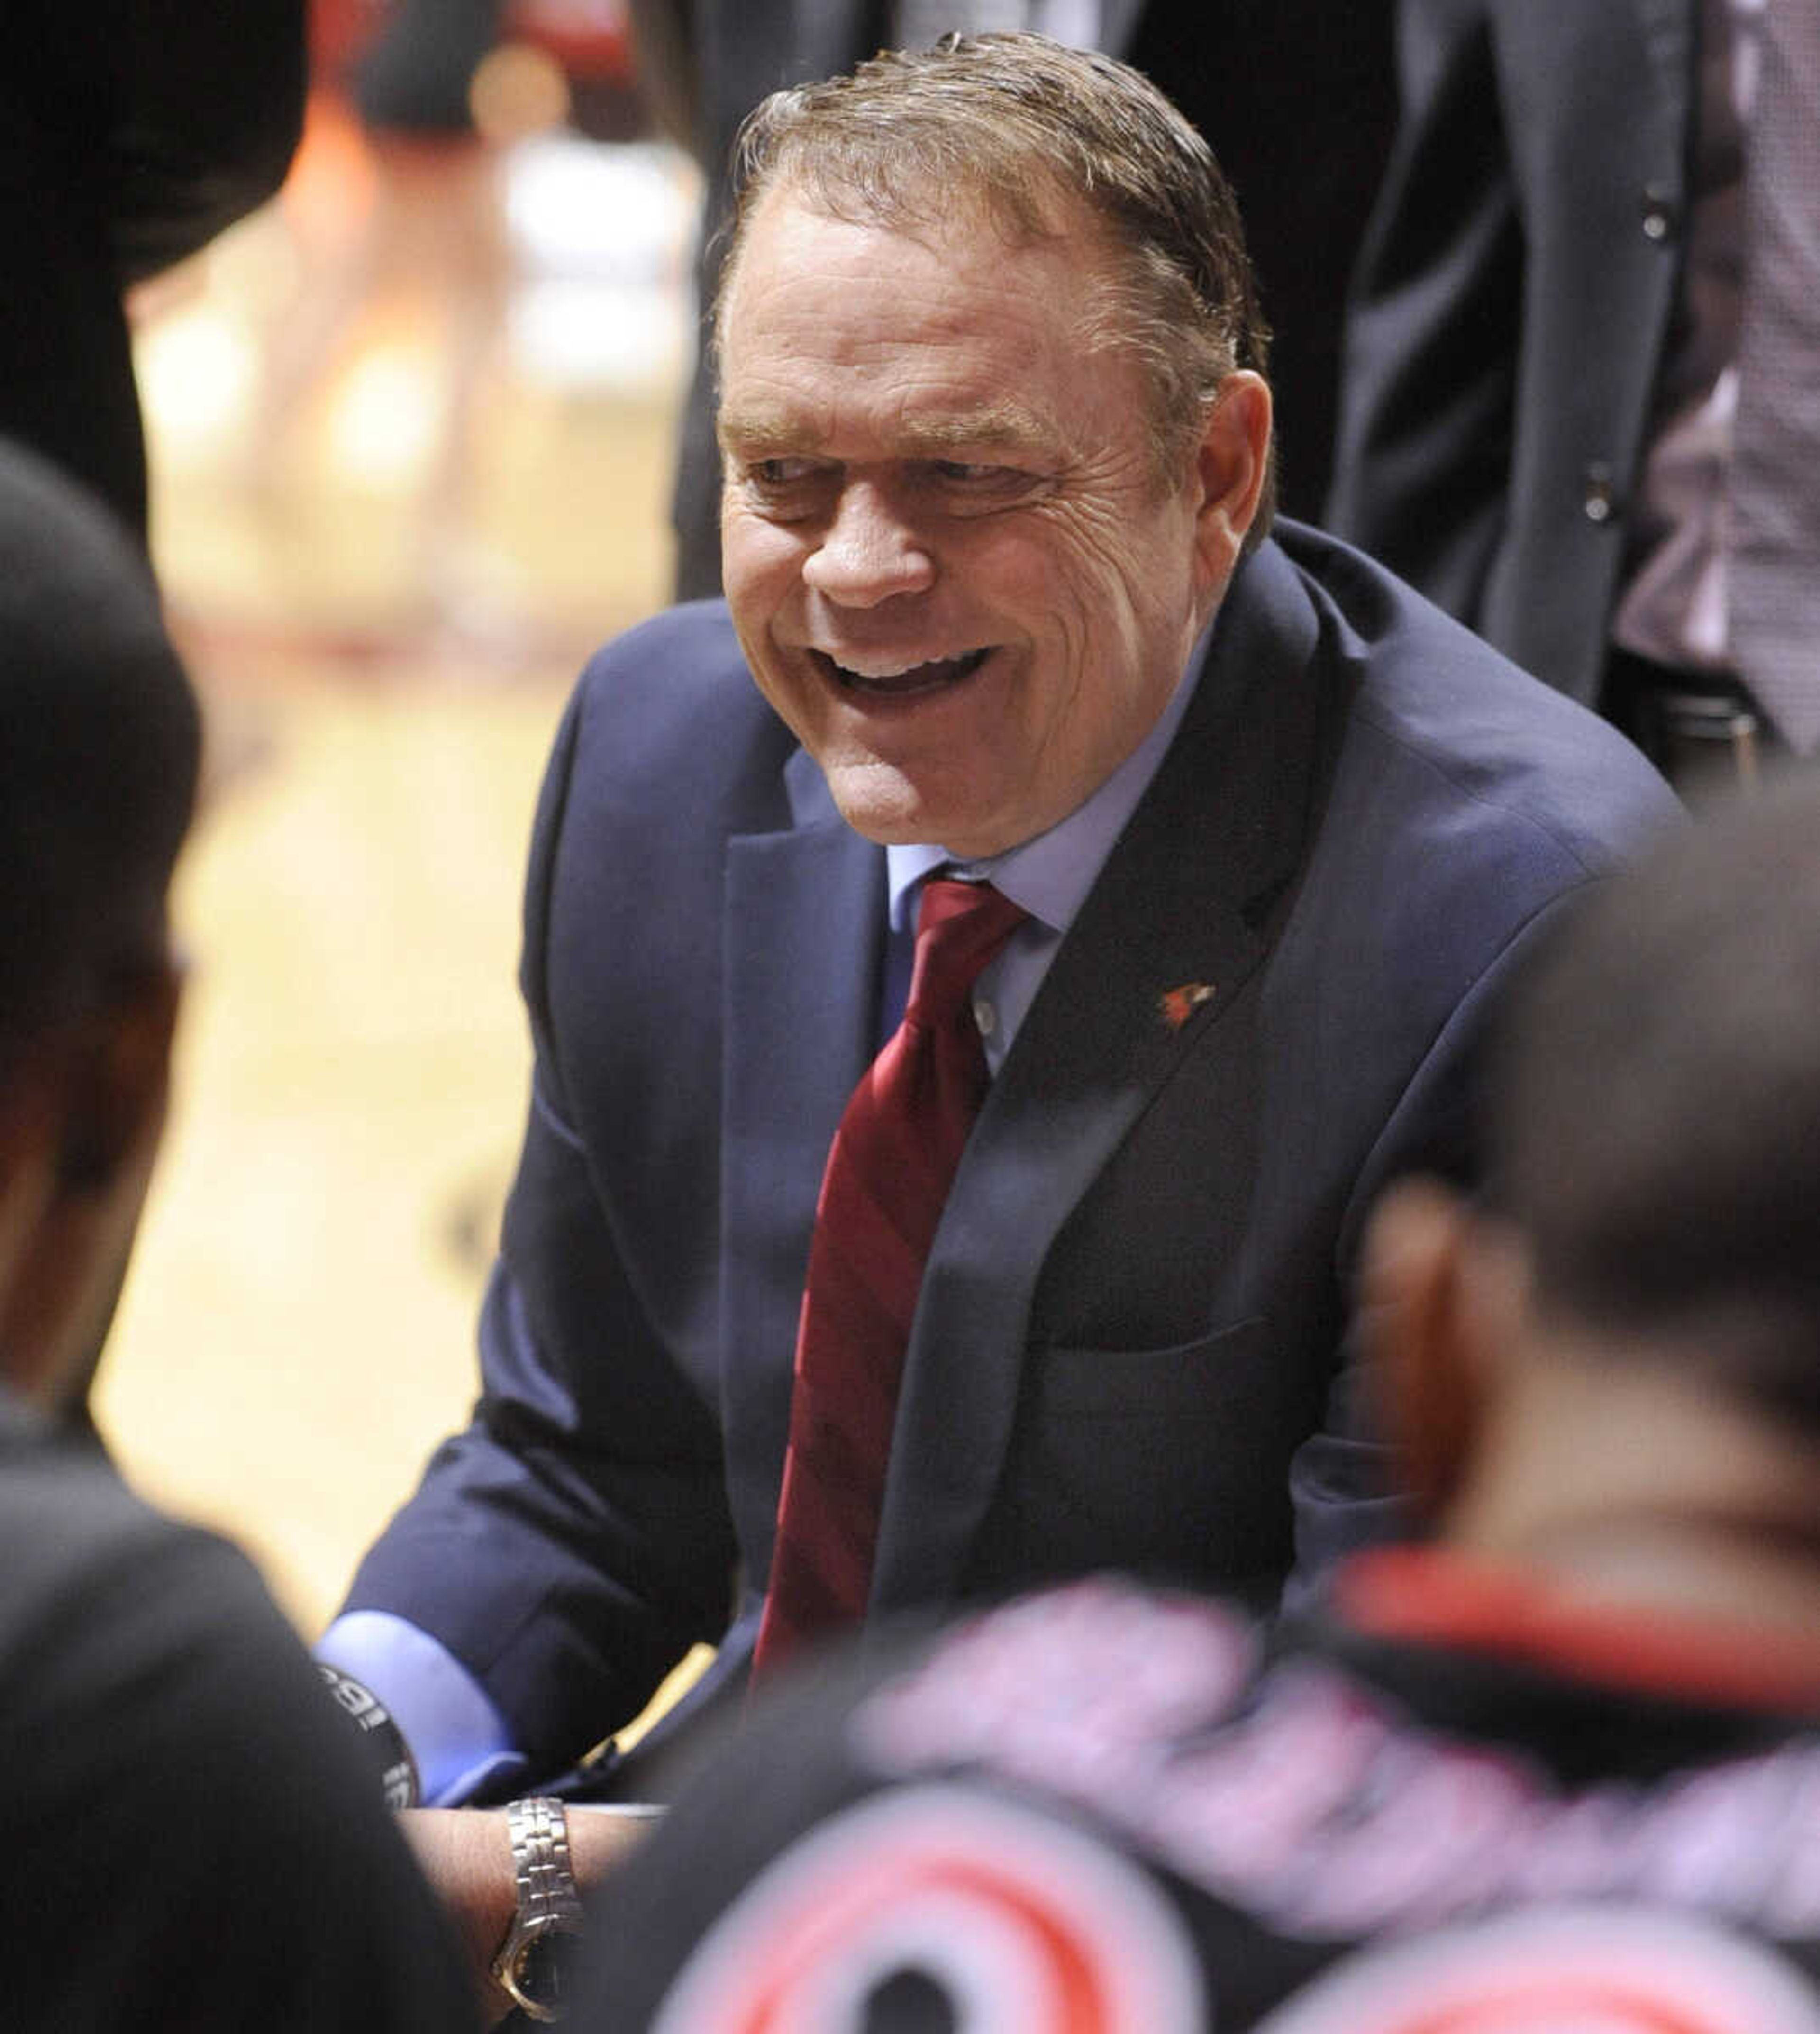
410, 436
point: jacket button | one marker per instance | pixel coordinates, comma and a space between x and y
1601, 503
1659, 212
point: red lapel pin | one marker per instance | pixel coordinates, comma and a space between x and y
1178, 1005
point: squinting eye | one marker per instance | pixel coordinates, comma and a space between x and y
780, 472
959, 469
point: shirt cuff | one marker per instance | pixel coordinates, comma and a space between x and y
458, 1739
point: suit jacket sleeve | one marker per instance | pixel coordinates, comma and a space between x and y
1435, 323
573, 1543
1513, 312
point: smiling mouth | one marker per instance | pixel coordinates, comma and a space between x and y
905, 684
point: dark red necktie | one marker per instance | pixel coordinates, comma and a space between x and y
889, 1169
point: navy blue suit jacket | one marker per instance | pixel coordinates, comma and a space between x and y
1132, 1319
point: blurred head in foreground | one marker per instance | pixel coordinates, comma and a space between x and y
99, 742
1614, 1358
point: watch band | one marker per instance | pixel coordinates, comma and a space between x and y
380, 1735
549, 1909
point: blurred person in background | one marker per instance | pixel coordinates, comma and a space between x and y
1581, 385
1559, 1768
399, 223
431, 227
191, 1839
130, 134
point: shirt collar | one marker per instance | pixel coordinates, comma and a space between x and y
1442, 1596
1049, 877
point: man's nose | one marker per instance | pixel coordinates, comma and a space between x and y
869, 552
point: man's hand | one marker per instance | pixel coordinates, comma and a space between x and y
466, 1854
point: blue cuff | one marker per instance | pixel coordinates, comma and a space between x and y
457, 1738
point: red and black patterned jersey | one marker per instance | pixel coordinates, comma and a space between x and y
1451, 1802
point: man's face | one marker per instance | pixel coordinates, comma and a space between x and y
950, 563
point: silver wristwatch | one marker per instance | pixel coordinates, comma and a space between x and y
530, 1964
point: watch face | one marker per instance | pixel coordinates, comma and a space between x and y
540, 1970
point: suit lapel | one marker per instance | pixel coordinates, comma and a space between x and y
1180, 916
803, 927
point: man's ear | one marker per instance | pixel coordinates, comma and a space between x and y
1231, 468
108, 1078
1421, 1328
119, 1079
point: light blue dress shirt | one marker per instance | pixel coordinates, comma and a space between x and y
456, 1736
1049, 877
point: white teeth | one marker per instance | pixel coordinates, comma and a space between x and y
880, 673
929, 668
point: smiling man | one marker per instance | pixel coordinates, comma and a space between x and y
958, 566
1254, 834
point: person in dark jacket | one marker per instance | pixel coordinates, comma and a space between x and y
193, 1840
130, 135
